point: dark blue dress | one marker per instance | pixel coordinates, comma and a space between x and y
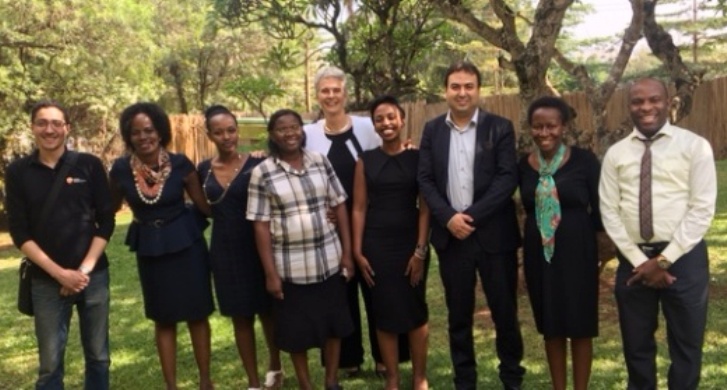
236, 269
170, 249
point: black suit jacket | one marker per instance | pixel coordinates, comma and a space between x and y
495, 181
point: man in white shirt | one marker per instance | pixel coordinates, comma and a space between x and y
658, 191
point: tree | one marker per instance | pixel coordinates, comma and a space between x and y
701, 25
685, 79
194, 60
530, 59
382, 44
83, 55
255, 90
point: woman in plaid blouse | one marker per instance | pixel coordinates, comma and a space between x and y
306, 258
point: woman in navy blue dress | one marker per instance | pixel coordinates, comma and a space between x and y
171, 252
236, 269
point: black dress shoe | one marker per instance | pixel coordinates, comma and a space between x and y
512, 387
334, 387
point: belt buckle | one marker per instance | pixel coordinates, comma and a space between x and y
157, 223
648, 249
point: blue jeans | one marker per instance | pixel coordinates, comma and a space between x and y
52, 321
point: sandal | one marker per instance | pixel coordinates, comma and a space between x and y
273, 380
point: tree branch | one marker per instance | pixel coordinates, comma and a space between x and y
454, 10
663, 47
5, 42
631, 37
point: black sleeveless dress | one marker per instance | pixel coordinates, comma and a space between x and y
390, 237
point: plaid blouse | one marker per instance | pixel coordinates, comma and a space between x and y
306, 247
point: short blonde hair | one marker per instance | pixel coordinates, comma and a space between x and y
329, 72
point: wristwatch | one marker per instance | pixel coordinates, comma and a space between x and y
84, 270
663, 262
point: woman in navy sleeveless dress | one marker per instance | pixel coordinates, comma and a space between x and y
236, 269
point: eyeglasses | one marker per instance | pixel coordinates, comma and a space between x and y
287, 130
43, 123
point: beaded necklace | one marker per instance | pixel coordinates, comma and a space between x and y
236, 171
148, 182
340, 130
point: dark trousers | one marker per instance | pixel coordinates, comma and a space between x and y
459, 265
352, 352
684, 304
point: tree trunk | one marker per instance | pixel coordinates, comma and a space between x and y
179, 86
685, 80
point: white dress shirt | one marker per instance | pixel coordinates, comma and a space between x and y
684, 192
461, 179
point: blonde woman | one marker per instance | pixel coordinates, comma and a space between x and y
342, 137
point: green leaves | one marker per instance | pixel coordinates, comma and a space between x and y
255, 90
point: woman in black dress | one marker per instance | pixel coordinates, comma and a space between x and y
559, 190
171, 252
236, 269
390, 241
342, 137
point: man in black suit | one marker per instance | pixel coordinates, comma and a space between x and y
467, 175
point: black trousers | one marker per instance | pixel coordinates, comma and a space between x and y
459, 265
684, 305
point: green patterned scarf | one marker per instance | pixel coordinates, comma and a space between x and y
547, 204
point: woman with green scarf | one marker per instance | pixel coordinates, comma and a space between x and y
559, 191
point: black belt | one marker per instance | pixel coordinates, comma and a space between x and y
653, 249
159, 222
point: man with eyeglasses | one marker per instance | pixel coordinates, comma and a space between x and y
70, 267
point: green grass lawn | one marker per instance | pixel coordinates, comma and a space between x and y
135, 365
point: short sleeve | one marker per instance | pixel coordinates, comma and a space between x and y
258, 198
185, 164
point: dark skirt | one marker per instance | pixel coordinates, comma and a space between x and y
310, 314
176, 286
239, 283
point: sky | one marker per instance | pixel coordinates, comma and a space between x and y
609, 17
